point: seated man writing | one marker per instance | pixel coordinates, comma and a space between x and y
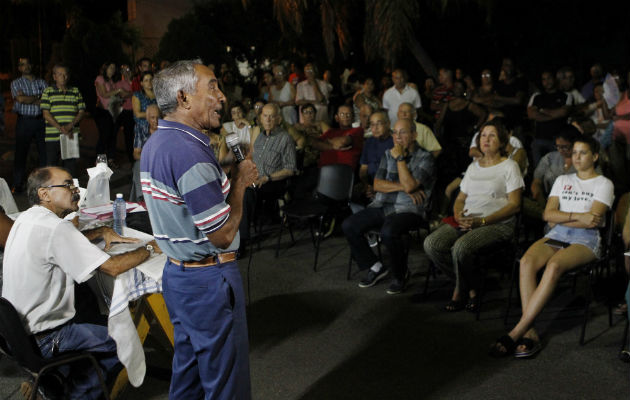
403, 185
44, 256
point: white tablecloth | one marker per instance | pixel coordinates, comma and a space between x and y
146, 278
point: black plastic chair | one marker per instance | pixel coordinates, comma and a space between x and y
15, 343
334, 185
590, 269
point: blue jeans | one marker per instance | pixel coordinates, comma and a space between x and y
27, 129
82, 378
391, 228
207, 308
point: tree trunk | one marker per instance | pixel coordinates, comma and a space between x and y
422, 57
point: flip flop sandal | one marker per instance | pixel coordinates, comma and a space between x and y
507, 342
455, 305
472, 305
531, 348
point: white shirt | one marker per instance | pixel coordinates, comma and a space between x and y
244, 133
392, 99
43, 257
577, 195
487, 188
306, 91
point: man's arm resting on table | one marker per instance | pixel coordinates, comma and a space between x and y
120, 263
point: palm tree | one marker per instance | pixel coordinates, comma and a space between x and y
388, 27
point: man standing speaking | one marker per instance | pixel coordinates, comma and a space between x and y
195, 213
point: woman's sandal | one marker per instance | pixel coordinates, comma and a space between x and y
455, 305
531, 347
508, 346
472, 305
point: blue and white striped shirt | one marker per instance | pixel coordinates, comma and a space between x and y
185, 190
28, 87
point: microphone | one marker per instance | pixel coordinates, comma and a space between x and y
232, 140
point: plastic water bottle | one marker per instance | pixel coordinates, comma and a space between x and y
120, 213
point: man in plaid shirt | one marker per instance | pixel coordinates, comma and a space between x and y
27, 92
403, 184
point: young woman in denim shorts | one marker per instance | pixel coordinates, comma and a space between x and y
575, 208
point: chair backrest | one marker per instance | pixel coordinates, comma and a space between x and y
21, 345
607, 233
335, 181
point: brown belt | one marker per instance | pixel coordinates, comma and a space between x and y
210, 261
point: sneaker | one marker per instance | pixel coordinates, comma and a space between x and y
372, 239
373, 277
398, 286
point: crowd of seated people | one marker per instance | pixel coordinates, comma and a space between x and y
497, 146
482, 154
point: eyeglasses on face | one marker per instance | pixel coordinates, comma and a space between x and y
66, 185
563, 146
345, 114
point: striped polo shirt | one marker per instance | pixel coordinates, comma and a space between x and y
185, 190
63, 106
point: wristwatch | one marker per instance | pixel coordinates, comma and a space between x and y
150, 250
400, 158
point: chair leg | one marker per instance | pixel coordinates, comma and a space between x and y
318, 239
426, 281
481, 293
512, 282
349, 267
586, 306
280, 237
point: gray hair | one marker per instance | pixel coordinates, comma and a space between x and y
179, 76
36, 180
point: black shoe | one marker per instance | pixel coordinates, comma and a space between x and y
398, 286
373, 277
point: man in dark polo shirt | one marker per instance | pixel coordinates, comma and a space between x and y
374, 148
27, 91
195, 213
548, 109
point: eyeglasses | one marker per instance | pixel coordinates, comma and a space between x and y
345, 115
66, 185
486, 75
308, 112
563, 146
377, 123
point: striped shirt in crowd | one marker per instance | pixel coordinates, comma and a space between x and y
421, 165
274, 152
185, 190
28, 87
63, 106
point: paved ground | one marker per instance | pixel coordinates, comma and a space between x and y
315, 335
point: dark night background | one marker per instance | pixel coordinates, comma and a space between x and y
539, 34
